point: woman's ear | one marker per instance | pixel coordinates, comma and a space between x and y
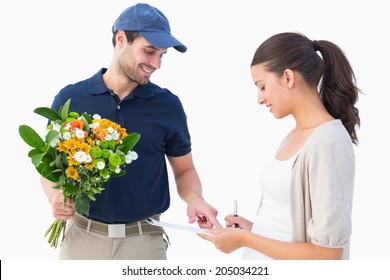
289, 77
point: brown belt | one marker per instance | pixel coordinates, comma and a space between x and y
132, 229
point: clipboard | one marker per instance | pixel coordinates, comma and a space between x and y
156, 223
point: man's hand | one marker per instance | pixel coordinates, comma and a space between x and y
61, 211
203, 213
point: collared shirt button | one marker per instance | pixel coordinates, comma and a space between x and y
118, 107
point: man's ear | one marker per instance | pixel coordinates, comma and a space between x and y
289, 77
121, 37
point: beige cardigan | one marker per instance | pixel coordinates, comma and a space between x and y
322, 188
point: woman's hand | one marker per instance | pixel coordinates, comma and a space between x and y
232, 221
226, 240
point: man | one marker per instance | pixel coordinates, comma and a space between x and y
124, 94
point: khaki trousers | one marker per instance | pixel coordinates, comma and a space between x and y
80, 244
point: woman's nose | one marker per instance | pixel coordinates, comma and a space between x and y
260, 98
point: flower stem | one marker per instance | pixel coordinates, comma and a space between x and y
54, 231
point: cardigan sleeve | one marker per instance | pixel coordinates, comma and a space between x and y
331, 172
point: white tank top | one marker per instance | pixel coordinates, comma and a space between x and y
273, 219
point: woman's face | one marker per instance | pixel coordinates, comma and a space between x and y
272, 91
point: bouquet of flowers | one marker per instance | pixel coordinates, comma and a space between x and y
79, 153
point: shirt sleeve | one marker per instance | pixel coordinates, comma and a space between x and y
331, 180
179, 140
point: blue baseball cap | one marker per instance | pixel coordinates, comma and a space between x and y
150, 23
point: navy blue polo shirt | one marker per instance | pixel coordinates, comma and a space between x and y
159, 117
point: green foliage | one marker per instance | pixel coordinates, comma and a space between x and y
31, 137
64, 110
129, 142
80, 166
47, 113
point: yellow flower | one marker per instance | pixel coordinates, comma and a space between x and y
81, 175
67, 145
90, 142
72, 161
89, 166
84, 147
72, 173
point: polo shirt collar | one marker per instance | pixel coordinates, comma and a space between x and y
97, 86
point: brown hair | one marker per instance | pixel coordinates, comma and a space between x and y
331, 72
130, 36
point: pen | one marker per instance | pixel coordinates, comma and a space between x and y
235, 213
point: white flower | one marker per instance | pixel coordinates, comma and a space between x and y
108, 137
94, 125
80, 156
115, 135
118, 169
79, 133
100, 165
97, 117
131, 156
56, 127
88, 159
54, 142
110, 130
67, 135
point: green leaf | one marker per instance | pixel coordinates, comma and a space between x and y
37, 159
51, 135
82, 205
91, 196
87, 118
52, 177
49, 173
34, 152
86, 124
97, 190
70, 190
47, 113
31, 137
58, 162
129, 142
47, 159
121, 173
64, 111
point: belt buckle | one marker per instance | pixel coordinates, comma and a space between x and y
117, 231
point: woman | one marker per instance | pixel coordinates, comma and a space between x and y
307, 188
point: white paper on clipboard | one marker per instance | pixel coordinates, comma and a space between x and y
176, 226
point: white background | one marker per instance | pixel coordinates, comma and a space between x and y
49, 44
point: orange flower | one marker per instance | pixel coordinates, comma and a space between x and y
76, 124
100, 133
